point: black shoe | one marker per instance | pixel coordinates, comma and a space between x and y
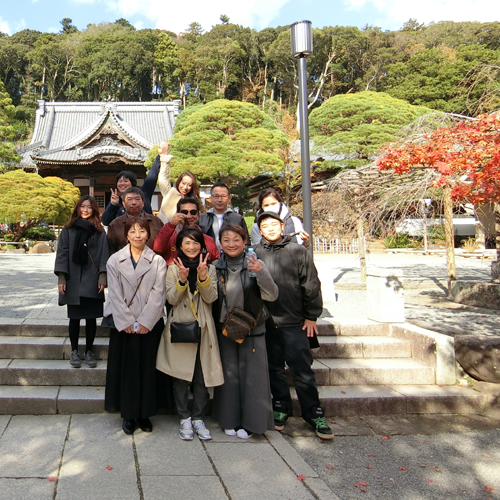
280, 420
128, 425
145, 424
318, 423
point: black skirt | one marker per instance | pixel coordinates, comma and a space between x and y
87, 309
133, 385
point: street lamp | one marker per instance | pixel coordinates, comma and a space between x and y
302, 46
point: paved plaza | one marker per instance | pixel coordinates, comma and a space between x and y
385, 457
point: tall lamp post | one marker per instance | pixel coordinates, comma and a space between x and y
302, 46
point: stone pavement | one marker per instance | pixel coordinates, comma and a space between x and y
89, 457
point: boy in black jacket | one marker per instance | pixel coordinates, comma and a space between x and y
293, 322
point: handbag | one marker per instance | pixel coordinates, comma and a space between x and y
188, 332
238, 325
185, 333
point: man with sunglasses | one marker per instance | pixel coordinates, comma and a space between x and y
221, 214
188, 212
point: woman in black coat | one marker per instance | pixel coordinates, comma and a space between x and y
82, 253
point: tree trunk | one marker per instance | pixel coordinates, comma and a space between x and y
449, 237
362, 247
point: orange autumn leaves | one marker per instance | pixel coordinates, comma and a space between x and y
466, 158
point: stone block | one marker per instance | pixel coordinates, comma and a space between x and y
77, 399
31, 400
385, 295
256, 471
434, 349
40, 248
378, 371
11, 326
479, 356
354, 401
51, 372
328, 327
18, 347
100, 348
94, 443
31, 446
189, 487
472, 293
385, 347
389, 425
436, 399
20, 489
363, 327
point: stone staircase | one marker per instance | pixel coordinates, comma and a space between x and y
362, 368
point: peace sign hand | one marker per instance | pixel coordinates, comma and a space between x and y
203, 267
115, 199
183, 271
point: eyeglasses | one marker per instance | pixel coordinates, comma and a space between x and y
191, 212
219, 196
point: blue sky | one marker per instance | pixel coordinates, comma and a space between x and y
44, 15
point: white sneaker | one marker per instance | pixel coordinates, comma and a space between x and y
201, 430
186, 431
230, 432
243, 434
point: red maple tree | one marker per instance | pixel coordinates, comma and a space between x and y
466, 158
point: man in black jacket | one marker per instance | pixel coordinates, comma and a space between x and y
221, 214
292, 324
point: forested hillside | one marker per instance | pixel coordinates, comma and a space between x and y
448, 66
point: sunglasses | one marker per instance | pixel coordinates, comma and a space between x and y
191, 212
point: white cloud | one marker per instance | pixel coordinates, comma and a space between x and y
20, 25
256, 13
4, 26
396, 12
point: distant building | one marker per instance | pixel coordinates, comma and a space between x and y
89, 143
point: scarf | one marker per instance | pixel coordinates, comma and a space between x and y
192, 265
84, 229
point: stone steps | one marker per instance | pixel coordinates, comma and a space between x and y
362, 368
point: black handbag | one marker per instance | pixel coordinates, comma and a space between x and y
189, 332
185, 333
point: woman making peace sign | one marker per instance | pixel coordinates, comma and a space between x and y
191, 289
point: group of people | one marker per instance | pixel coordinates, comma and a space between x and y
234, 317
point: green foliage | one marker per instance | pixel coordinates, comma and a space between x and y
7, 237
227, 140
152, 154
436, 233
29, 199
356, 126
401, 240
8, 155
39, 234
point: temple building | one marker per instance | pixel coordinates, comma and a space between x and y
89, 143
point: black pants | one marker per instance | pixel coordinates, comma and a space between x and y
290, 345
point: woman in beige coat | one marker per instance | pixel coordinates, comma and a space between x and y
136, 298
191, 289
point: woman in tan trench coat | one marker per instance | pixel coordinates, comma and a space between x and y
191, 289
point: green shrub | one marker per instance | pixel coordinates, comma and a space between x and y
7, 237
436, 233
10, 247
401, 240
39, 234
249, 219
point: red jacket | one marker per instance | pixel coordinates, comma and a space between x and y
164, 244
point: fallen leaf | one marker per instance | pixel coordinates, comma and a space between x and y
369, 467
488, 489
430, 480
343, 392
372, 455
420, 440
422, 465
99, 388
301, 477
109, 467
364, 484
486, 456
329, 467
52, 478
403, 468
436, 468
386, 438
